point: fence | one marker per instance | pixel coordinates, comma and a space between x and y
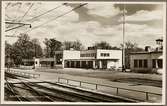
114, 90
25, 74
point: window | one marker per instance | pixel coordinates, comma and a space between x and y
89, 55
140, 63
159, 61
145, 63
154, 63
135, 63
93, 54
105, 54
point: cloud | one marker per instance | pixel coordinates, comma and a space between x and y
143, 35
105, 10
142, 29
145, 15
69, 27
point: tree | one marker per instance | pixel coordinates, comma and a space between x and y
67, 45
8, 49
76, 45
130, 47
23, 48
104, 45
8, 53
37, 49
51, 46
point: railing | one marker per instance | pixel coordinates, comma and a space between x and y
25, 74
97, 87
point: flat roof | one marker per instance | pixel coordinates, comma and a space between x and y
133, 53
59, 51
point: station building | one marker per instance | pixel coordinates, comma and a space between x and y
146, 62
96, 59
151, 60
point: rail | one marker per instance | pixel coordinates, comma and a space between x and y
96, 87
26, 74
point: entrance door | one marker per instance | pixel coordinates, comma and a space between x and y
104, 64
52, 64
90, 64
78, 64
83, 64
72, 64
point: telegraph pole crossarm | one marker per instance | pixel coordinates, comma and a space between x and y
20, 25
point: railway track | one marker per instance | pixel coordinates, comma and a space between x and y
53, 92
13, 93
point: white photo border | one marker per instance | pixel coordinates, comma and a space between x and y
75, 103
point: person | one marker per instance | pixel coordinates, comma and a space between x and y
123, 69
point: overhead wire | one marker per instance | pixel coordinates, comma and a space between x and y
25, 15
44, 13
15, 18
27, 12
20, 19
77, 7
7, 5
35, 16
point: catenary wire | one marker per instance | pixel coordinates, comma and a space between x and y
44, 13
27, 12
77, 7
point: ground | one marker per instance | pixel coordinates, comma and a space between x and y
137, 84
116, 76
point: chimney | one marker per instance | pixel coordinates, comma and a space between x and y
148, 48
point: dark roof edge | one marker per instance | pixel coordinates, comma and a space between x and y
133, 53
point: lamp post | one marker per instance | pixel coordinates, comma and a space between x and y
123, 48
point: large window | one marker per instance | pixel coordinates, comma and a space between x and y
154, 63
145, 64
140, 63
135, 63
157, 63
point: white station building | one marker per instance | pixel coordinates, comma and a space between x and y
95, 59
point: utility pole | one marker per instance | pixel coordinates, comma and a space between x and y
123, 48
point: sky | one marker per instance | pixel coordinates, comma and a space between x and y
94, 22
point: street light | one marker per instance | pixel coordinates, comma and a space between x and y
123, 48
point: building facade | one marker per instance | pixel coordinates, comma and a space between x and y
146, 62
95, 59
151, 60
